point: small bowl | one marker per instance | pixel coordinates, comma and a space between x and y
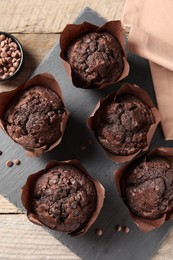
21, 58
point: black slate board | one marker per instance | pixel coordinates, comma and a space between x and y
111, 245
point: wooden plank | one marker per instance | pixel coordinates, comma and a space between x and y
7, 207
22, 240
166, 250
41, 16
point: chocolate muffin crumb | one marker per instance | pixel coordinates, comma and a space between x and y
64, 198
121, 125
95, 59
147, 187
16, 162
118, 228
126, 229
33, 120
99, 232
9, 163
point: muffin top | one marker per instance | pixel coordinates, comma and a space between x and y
121, 125
95, 59
33, 120
64, 198
147, 188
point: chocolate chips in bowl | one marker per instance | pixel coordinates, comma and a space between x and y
11, 56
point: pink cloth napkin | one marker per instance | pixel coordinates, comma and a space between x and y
150, 36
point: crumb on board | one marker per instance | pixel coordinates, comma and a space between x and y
9, 163
16, 161
118, 228
126, 229
99, 232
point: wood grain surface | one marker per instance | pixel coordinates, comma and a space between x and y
36, 24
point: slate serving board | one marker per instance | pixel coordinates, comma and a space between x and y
111, 245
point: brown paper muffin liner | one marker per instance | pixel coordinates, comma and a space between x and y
144, 224
26, 191
45, 80
136, 91
71, 31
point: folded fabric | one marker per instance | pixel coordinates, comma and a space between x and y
151, 37
163, 82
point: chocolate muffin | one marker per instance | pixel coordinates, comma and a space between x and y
33, 120
121, 125
96, 58
64, 198
147, 188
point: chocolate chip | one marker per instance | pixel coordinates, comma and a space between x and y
12, 69
3, 54
41, 140
9, 60
0, 152
60, 111
126, 229
74, 205
118, 228
9, 163
15, 64
11, 73
16, 161
5, 48
9, 40
2, 37
99, 232
14, 45
2, 44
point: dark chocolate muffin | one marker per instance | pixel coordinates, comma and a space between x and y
95, 59
147, 188
64, 198
121, 125
33, 120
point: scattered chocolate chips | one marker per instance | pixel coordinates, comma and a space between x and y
118, 228
99, 232
9, 163
10, 56
126, 229
16, 162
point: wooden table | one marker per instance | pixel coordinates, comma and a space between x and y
37, 25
